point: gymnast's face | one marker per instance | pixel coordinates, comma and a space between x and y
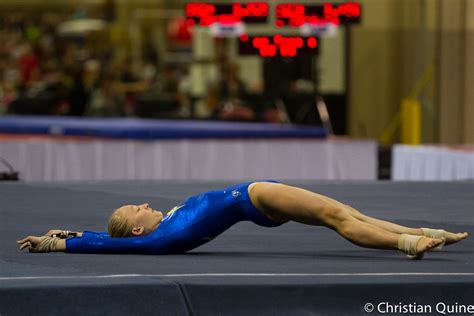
142, 218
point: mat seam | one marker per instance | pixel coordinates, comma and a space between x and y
186, 299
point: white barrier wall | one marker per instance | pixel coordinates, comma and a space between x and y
49, 159
432, 163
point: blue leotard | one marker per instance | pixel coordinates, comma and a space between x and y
194, 222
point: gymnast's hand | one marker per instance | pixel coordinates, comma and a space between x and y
42, 244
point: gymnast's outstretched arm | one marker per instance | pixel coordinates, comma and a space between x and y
91, 242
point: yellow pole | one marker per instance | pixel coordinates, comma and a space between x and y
411, 121
409, 115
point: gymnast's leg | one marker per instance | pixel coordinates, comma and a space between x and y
451, 238
282, 203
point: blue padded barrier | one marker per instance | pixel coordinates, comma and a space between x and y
134, 128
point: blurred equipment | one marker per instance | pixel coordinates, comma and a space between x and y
324, 115
10, 175
408, 117
411, 121
81, 26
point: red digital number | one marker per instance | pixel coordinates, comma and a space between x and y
206, 12
287, 45
256, 9
199, 10
349, 9
289, 10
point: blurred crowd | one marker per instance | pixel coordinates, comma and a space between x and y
46, 72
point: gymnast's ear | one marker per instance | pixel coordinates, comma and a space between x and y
138, 230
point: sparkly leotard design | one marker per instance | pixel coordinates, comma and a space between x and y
194, 222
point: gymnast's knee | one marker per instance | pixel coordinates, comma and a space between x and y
353, 212
337, 218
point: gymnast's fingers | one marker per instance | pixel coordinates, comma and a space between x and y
26, 245
24, 240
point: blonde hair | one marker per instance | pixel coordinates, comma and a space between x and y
118, 225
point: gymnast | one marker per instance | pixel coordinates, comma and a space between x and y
139, 229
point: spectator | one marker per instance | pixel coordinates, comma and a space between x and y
131, 86
106, 100
227, 97
78, 93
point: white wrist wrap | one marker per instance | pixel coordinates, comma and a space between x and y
47, 245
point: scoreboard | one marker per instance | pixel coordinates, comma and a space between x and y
227, 20
205, 14
298, 14
286, 14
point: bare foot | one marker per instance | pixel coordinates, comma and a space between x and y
426, 243
452, 238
